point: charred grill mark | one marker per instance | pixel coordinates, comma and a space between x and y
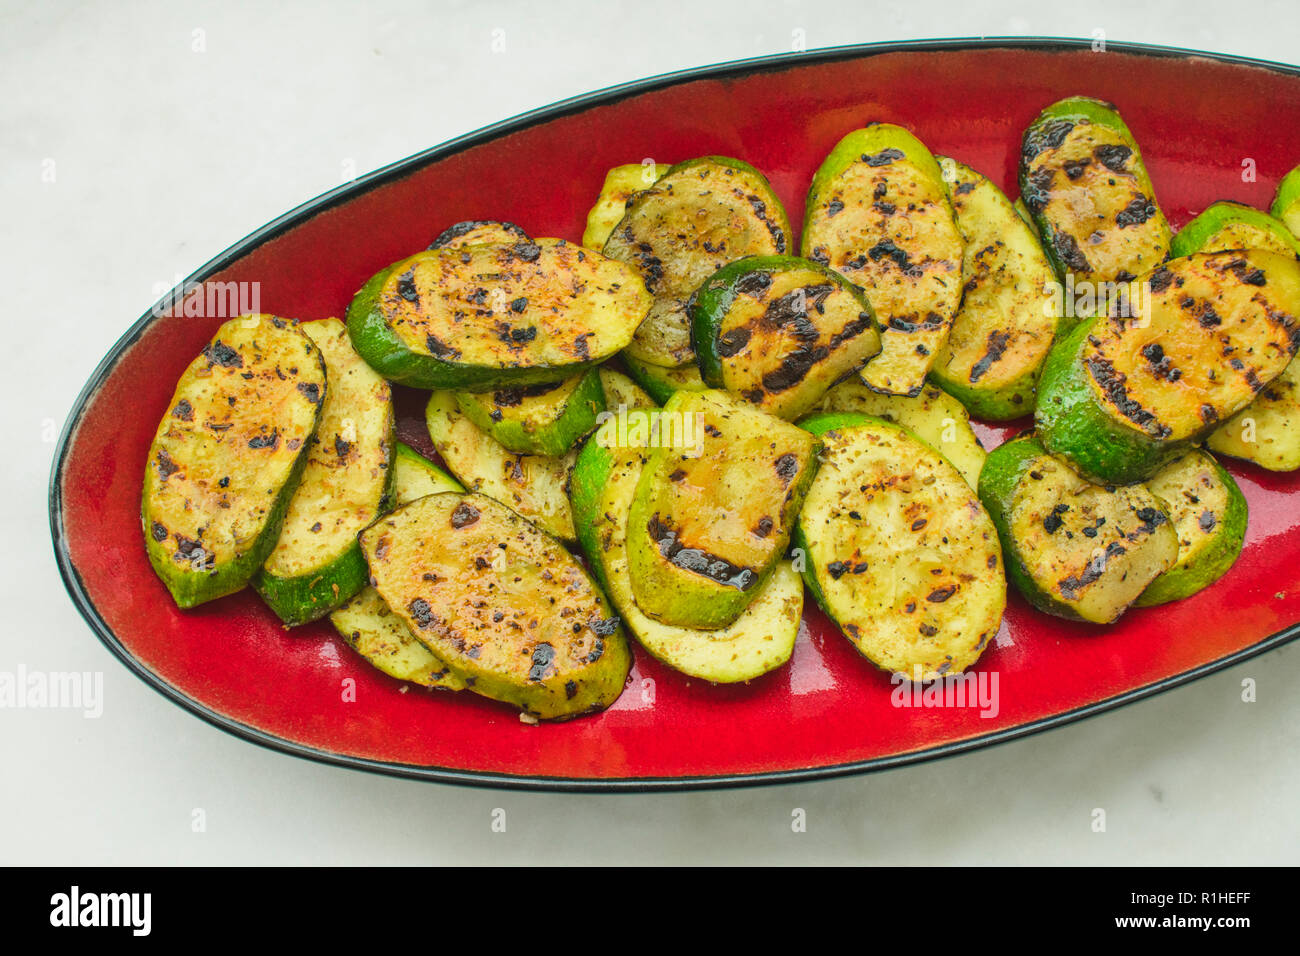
518, 305
439, 348
1112, 384
1071, 585
820, 256
851, 330
884, 157
939, 595
1160, 279
342, 448
884, 208
649, 265
184, 411
834, 208
219, 353
518, 336
406, 286
1138, 211
1052, 521
464, 515
931, 321
1074, 168
603, 627
732, 341
420, 610
697, 561
787, 466
1043, 136
754, 283
1162, 366
760, 210
1068, 249
886, 249
1038, 188
266, 441
1113, 156
542, 662
526, 251
794, 368
311, 391
461, 229
1151, 519
994, 348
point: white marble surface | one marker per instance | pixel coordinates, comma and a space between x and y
163, 155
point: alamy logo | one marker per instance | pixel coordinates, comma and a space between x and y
652, 428
53, 690
208, 300
952, 690
74, 908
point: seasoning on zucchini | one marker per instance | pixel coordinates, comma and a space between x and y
713, 508
778, 331
545, 419
228, 454
1233, 225
316, 564
474, 232
486, 316
661, 382
621, 184
1083, 180
1208, 512
697, 217
899, 552
367, 624
533, 485
1009, 316
509, 610
1286, 204
1073, 548
760, 640
619, 390
879, 214
933, 416
1121, 397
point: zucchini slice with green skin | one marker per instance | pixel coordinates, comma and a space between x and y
1009, 316
414, 476
477, 232
621, 392
486, 316
899, 552
370, 628
778, 331
761, 639
1267, 431
533, 485
714, 508
697, 217
1233, 225
1083, 180
1119, 398
933, 416
1208, 512
367, 624
662, 383
879, 214
228, 454
546, 419
1074, 549
509, 610
316, 564
621, 184
1286, 204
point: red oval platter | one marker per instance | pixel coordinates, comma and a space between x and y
1200, 119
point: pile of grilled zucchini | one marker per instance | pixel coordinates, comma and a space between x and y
669, 430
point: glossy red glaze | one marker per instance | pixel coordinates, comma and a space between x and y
1197, 120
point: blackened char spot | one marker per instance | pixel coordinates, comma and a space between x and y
837, 569
1113, 156
1151, 518
1162, 366
527, 251
420, 610
543, 657
603, 627
732, 341
1113, 384
695, 560
787, 466
460, 229
1138, 211
884, 157
184, 411
939, 595
1207, 521
1043, 136
311, 391
1074, 168
1070, 586
342, 448
523, 336
886, 249
994, 348
1038, 188
158, 531
464, 515
1068, 249
519, 304
265, 441
406, 286
219, 353
439, 348
1160, 279
764, 527
754, 283
1052, 521
834, 207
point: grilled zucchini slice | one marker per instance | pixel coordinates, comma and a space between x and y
1233, 225
367, 624
533, 485
697, 217
621, 184
900, 554
228, 454
778, 331
1208, 512
1083, 180
477, 232
509, 610
1120, 398
933, 416
714, 508
485, 316
316, 564
661, 382
546, 419
621, 391
1009, 315
761, 639
1073, 548
1286, 204
879, 214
